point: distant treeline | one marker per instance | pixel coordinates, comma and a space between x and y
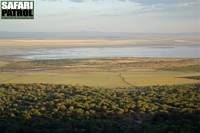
48, 108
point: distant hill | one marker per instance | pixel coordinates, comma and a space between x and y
85, 35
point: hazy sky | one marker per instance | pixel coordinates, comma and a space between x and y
110, 16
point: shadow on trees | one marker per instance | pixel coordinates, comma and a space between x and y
139, 123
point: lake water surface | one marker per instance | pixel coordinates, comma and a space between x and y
175, 51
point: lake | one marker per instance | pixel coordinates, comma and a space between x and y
43, 53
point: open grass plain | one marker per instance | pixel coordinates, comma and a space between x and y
102, 72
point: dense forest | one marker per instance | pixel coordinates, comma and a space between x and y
48, 108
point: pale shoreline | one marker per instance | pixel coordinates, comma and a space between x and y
93, 42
